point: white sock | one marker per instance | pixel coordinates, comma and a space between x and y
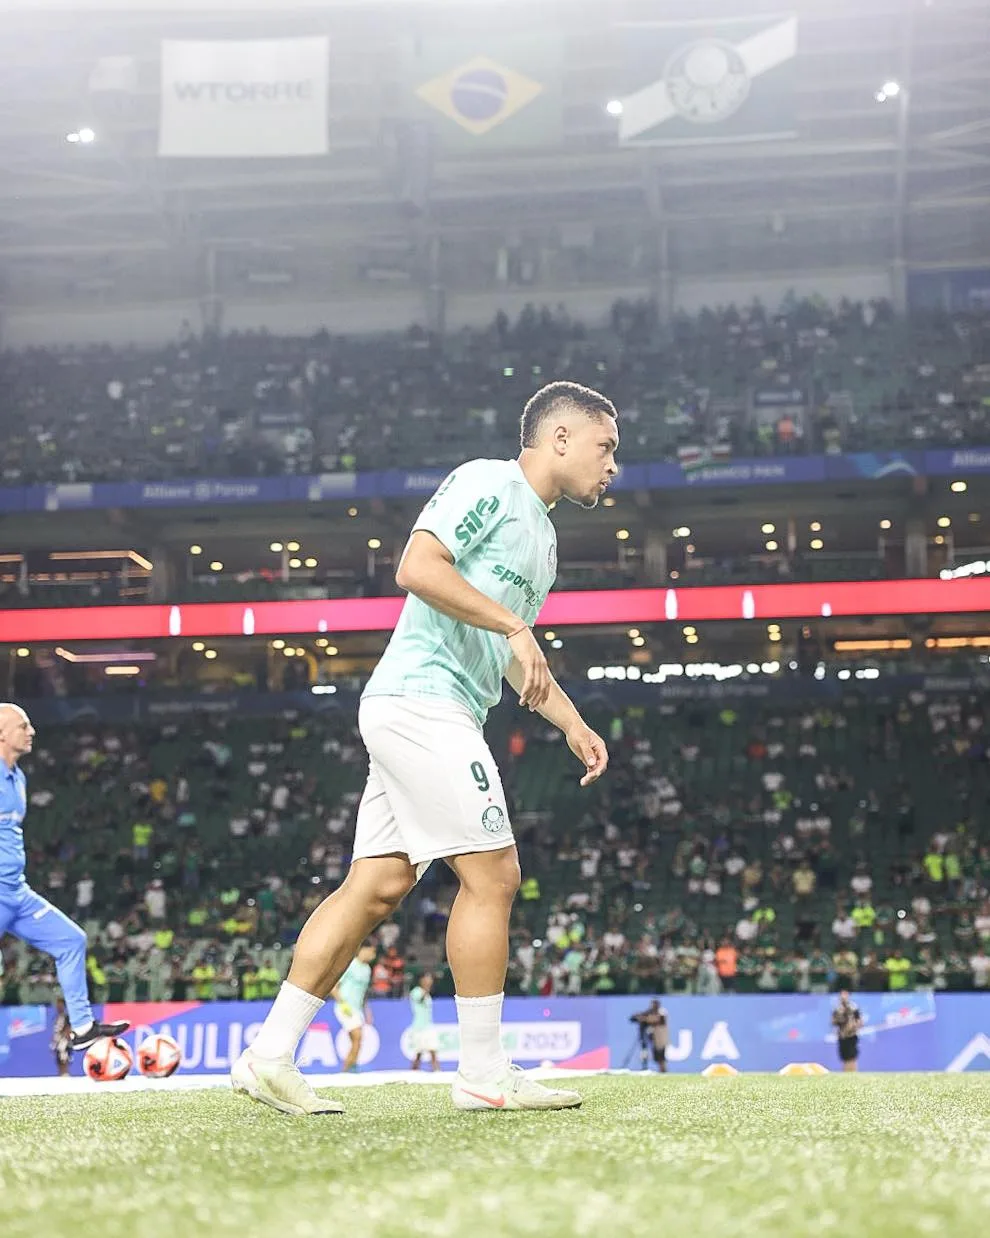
291, 1014
81, 1031
480, 1020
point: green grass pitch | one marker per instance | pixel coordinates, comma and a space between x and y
850, 1156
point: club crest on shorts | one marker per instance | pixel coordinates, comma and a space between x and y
493, 819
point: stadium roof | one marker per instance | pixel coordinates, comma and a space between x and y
861, 184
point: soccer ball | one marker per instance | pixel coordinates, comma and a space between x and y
108, 1060
158, 1056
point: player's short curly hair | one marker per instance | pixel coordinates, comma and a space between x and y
556, 398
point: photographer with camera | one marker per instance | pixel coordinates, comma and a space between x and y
654, 1032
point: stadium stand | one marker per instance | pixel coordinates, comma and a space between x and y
249, 404
788, 846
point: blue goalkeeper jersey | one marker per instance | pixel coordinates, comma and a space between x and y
13, 809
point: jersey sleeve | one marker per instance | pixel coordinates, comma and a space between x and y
469, 505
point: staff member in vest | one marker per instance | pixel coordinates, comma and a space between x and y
847, 1021
27, 915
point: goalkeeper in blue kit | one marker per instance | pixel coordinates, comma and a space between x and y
27, 915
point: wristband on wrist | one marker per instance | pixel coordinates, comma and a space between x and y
522, 628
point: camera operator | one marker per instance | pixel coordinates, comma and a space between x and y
847, 1021
654, 1031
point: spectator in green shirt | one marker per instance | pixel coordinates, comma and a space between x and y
820, 967
957, 972
846, 969
863, 914
747, 969
204, 981
898, 971
249, 983
269, 980
787, 974
934, 866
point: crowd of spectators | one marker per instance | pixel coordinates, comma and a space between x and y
801, 873
741, 849
735, 381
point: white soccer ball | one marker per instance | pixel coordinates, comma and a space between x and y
158, 1056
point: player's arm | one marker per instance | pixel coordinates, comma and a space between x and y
427, 571
561, 711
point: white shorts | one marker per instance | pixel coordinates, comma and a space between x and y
425, 1040
352, 1022
433, 787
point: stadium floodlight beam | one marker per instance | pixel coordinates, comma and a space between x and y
85, 135
891, 89
614, 107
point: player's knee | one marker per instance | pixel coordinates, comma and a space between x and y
391, 892
70, 942
493, 876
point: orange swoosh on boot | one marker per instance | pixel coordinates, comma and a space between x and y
495, 1102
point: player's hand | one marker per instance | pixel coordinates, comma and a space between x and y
589, 748
536, 673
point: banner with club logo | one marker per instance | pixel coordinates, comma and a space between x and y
483, 93
261, 99
701, 81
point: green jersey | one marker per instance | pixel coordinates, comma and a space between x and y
503, 542
354, 985
422, 1009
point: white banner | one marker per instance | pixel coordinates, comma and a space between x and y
263, 99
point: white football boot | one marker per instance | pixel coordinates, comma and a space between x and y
278, 1083
513, 1090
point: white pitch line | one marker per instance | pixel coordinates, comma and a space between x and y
55, 1086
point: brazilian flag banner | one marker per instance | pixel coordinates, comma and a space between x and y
709, 82
487, 93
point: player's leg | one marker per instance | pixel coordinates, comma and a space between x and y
415, 1061
378, 881
43, 926
375, 886
330, 938
478, 954
354, 1052
434, 1060
444, 788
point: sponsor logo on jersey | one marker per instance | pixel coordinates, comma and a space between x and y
475, 520
511, 577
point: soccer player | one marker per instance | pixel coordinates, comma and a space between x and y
423, 1031
478, 566
27, 915
350, 998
